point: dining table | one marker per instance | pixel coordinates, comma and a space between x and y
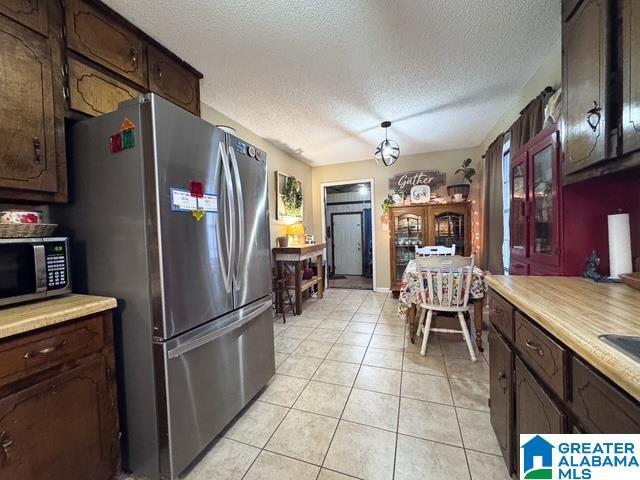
410, 298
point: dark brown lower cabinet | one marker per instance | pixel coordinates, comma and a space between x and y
58, 419
59, 428
598, 406
540, 386
501, 391
536, 411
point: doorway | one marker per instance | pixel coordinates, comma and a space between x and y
349, 234
346, 243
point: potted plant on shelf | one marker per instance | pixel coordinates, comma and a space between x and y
462, 189
293, 198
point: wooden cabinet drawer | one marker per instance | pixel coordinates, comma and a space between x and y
501, 315
599, 406
33, 352
104, 39
173, 81
30, 13
95, 93
542, 354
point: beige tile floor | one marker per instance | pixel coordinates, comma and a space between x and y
353, 398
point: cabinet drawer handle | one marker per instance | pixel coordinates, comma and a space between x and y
44, 351
501, 377
134, 57
5, 444
158, 70
593, 116
37, 149
534, 347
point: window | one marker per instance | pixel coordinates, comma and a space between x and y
506, 202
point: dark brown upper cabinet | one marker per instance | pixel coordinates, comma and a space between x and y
173, 81
27, 121
94, 92
584, 76
631, 76
30, 13
100, 37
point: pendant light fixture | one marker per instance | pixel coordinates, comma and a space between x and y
388, 151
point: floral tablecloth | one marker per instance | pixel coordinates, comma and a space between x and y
411, 292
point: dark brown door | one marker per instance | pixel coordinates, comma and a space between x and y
102, 38
501, 388
27, 156
568, 7
450, 225
94, 92
631, 76
60, 428
584, 77
536, 412
30, 13
173, 81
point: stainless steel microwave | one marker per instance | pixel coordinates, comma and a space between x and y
33, 268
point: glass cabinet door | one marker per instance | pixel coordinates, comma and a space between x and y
449, 230
518, 208
409, 230
543, 244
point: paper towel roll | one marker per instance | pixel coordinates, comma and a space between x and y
619, 245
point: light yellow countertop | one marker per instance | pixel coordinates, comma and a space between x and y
576, 311
43, 313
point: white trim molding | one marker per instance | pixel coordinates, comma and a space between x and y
371, 183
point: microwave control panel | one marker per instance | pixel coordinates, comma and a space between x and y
56, 256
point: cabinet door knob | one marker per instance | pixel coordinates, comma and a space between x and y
36, 149
158, 70
5, 444
593, 116
134, 57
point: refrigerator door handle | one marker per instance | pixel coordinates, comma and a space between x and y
241, 225
229, 225
208, 336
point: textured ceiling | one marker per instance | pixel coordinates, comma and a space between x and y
316, 77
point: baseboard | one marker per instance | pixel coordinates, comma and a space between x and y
381, 290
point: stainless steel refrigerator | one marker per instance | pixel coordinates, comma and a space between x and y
169, 214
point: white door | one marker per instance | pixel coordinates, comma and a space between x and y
347, 239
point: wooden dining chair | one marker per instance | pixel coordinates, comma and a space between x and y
428, 251
448, 285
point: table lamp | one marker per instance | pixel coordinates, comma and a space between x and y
296, 233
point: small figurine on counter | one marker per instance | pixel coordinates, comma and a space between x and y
593, 262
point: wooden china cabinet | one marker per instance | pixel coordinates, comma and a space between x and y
418, 225
535, 206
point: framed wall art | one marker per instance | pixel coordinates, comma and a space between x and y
290, 198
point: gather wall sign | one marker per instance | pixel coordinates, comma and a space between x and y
407, 180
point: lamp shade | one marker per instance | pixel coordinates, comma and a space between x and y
295, 229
